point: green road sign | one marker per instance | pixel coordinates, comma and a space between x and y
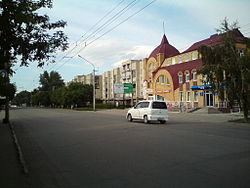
128, 87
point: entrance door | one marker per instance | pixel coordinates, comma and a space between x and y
159, 97
209, 98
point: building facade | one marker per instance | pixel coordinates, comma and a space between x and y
88, 79
172, 76
133, 72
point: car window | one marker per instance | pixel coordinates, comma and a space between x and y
144, 104
138, 105
159, 105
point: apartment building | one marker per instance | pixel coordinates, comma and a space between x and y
133, 72
106, 86
130, 72
88, 79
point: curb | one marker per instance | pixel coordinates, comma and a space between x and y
19, 150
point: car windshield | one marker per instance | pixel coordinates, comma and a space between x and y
159, 105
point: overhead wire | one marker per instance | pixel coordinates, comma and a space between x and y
107, 32
69, 51
118, 25
99, 21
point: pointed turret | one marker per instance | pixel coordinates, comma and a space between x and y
165, 48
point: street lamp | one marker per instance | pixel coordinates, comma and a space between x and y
93, 80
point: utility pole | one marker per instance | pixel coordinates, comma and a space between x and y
93, 80
7, 111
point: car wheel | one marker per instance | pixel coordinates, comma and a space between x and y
130, 118
162, 121
145, 119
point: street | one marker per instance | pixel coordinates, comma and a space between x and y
64, 148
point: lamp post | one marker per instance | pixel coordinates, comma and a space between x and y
92, 80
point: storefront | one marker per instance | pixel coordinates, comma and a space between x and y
207, 93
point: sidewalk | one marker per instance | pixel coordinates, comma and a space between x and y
11, 175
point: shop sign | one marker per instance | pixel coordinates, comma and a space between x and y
201, 87
149, 91
163, 91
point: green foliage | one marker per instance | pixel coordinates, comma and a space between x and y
23, 97
58, 96
79, 94
27, 35
225, 66
49, 83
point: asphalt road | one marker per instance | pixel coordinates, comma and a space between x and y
71, 149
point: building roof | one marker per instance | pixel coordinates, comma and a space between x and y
182, 67
167, 49
214, 40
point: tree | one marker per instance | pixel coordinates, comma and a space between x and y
49, 82
227, 68
23, 97
78, 94
58, 96
26, 35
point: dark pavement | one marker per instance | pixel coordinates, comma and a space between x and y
11, 175
72, 149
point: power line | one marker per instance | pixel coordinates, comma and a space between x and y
118, 24
88, 32
109, 31
112, 19
100, 20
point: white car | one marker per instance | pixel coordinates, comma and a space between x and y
149, 111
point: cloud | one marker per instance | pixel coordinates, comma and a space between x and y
106, 53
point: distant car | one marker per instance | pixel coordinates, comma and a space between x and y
149, 111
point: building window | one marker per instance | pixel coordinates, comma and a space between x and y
186, 57
167, 81
188, 96
179, 59
162, 79
241, 52
168, 62
180, 77
194, 55
128, 66
187, 76
181, 97
194, 76
158, 80
196, 96
173, 60
133, 73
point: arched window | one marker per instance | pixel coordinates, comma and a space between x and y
167, 81
194, 75
180, 77
187, 73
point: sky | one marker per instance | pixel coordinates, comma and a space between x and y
108, 32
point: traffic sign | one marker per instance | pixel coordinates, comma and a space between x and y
128, 87
118, 88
